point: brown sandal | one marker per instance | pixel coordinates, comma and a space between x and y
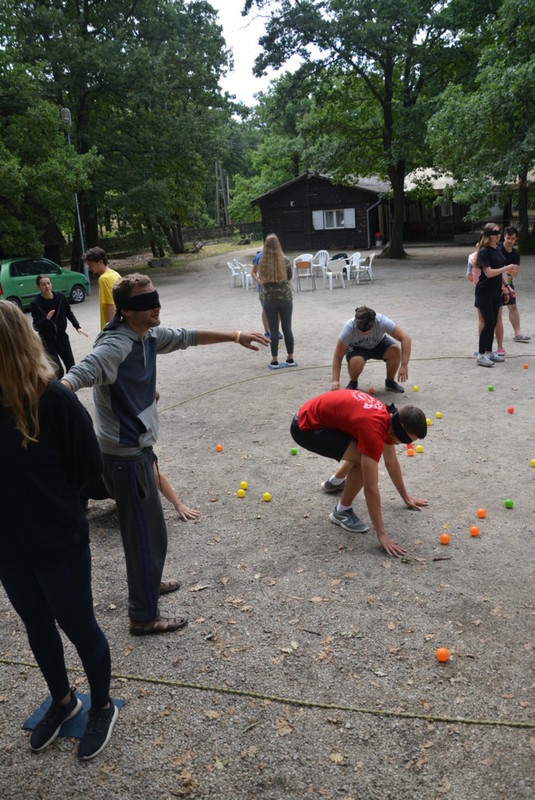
166, 587
157, 625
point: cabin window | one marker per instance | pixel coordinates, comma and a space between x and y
333, 219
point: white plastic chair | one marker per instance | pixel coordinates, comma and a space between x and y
335, 270
365, 269
304, 269
236, 275
320, 261
247, 278
353, 262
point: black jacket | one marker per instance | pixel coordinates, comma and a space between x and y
51, 329
42, 517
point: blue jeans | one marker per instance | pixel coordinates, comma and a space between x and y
46, 594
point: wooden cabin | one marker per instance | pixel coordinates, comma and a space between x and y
311, 213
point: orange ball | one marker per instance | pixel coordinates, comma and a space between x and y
219, 447
372, 390
442, 654
474, 530
481, 513
526, 366
445, 538
410, 451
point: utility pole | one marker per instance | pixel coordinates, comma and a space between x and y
66, 118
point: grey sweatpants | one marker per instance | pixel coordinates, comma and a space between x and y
131, 482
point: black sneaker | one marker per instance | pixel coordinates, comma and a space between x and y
394, 386
98, 730
48, 728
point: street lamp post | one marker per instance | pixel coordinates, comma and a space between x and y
66, 118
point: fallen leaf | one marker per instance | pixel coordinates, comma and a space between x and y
212, 714
199, 587
283, 727
336, 758
387, 564
224, 581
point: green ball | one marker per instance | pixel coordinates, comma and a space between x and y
508, 503
293, 451
491, 388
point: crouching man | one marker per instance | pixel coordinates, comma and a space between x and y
353, 427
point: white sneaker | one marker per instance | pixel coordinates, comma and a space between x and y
485, 361
496, 357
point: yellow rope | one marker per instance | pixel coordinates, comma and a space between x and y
375, 712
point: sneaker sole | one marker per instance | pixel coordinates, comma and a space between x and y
76, 710
106, 740
347, 527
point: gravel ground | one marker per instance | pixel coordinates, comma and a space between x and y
308, 669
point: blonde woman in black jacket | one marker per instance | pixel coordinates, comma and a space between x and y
49, 451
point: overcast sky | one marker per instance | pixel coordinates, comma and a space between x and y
242, 34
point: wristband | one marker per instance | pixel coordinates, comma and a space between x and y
237, 337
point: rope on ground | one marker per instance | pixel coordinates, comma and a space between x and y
288, 701
268, 375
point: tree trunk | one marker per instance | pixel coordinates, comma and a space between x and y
524, 240
173, 234
394, 248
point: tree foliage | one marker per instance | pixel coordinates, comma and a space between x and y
141, 80
484, 132
39, 173
391, 55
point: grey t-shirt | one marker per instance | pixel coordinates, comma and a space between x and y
351, 336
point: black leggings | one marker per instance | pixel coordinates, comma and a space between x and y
43, 595
283, 308
489, 306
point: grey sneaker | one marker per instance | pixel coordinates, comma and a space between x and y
331, 488
349, 521
521, 338
48, 728
394, 386
98, 730
496, 357
485, 361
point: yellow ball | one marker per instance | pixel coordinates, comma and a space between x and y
266, 496
428, 422
241, 492
243, 485
533, 462
415, 388
438, 415
419, 448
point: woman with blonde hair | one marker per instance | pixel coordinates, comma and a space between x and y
275, 273
49, 451
491, 262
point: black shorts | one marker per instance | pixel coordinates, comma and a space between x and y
324, 441
377, 352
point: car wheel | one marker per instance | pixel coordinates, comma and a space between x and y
77, 294
15, 301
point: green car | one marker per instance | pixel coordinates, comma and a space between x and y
18, 275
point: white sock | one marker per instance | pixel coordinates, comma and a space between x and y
336, 481
340, 508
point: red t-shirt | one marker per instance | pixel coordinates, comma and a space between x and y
356, 413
